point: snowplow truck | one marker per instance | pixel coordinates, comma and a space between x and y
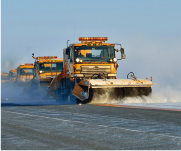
46, 68
13, 75
90, 71
24, 73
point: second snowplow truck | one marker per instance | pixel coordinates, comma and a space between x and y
90, 70
47, 67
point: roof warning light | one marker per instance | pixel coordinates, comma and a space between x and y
93, 38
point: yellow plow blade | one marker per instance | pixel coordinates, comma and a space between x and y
119, 83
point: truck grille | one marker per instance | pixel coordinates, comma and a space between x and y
95, 69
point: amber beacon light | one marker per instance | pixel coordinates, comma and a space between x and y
50, 57
28, 64
93, 38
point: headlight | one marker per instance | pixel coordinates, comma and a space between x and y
41, 71
110, 60
114, 59
77, 60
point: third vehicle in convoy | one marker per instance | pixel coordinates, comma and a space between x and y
13, 76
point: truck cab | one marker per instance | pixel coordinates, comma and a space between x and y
46, 68
24, 73
92, 58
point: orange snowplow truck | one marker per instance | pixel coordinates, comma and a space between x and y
13, 75
4, 77
90, 70
46, 68
24, 73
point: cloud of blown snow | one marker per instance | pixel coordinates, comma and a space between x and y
12, 61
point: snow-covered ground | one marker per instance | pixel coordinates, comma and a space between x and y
168, 98
156, 100
176, 105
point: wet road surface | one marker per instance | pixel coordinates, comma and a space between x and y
35, 127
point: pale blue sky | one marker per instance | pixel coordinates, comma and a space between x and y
149, 30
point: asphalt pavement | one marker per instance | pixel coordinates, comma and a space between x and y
88, 127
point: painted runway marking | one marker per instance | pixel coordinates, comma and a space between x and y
105, 126
137, 107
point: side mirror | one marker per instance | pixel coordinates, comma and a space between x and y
123, 56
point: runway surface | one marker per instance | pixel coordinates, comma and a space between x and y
32, 126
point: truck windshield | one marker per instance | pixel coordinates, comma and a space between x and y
26, 71
94, 53
51, 67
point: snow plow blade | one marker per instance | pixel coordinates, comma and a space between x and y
117, 88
